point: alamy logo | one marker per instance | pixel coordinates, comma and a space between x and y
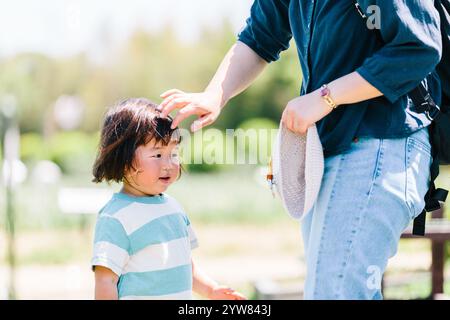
373, 17
374, 280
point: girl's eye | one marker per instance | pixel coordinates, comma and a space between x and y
157, 155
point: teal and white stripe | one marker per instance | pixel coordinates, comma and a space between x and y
147, 242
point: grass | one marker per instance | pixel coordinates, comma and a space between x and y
413, 285
234, 201
51, 247
230, 196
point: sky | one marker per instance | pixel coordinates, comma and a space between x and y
66, 27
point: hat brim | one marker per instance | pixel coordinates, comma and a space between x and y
298, 166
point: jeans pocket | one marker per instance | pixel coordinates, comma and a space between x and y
421, 140
418, 162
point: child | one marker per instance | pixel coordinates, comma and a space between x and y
143, 238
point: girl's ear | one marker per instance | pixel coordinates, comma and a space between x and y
135, 164
132, 172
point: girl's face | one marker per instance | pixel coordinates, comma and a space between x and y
156, 167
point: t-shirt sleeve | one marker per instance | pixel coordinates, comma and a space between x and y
191, 233
412, 45
267, 30
111, 245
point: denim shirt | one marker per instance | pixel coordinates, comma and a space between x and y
333, 40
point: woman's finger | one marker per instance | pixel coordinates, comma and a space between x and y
176, 103
169, 98
288, 120
202, 122
170, 92
164, 103
184, 113
300, 126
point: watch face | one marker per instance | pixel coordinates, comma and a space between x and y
324, 91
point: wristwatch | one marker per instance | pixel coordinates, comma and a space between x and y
325, 94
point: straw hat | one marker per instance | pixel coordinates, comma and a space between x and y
297, 169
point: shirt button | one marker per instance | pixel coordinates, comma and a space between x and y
355, 139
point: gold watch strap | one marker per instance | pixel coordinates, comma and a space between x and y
325, 93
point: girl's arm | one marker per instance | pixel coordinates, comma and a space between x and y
105, 284
208, 288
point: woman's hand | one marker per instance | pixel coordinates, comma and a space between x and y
206, 105
304, 111
225, 293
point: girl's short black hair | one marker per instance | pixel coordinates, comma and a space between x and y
129, 124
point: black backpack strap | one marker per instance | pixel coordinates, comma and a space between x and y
419, 224
424, 103
432, 198
419, 221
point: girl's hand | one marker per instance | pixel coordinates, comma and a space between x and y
205, 105
304, 111
225, 293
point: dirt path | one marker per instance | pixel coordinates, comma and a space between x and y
236, 255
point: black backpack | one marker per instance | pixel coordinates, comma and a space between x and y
440, 116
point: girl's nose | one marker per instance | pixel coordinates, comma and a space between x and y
168, 163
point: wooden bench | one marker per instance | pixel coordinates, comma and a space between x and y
437, 230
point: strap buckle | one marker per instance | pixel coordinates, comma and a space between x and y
360, 10
424, 103
433, 112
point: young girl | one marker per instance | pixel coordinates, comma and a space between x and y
143, 237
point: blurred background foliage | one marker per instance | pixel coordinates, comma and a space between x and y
144, 66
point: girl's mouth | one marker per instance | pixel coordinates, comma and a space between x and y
164, 179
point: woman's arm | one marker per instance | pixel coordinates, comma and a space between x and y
105, 284
352, 88
304, 111
412, 46
238, 70
266, 34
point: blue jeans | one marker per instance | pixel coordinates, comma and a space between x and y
368, 196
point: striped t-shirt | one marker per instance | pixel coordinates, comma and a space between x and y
147, 242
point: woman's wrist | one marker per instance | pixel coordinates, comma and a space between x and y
218, 95
327, 97
352, 88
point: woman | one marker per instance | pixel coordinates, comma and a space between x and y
355, 85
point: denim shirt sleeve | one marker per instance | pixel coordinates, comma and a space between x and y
412, 46
267, 30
